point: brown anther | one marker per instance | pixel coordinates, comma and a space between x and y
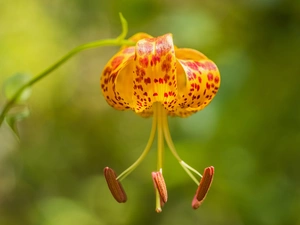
160, 185
203, 187
114, 185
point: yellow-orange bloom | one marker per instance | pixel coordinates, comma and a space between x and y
155, 77
183, 80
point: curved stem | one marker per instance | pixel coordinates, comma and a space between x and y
108, 42
145, 152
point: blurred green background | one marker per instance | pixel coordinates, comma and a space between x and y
250, 132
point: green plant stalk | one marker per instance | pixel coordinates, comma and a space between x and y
107, 42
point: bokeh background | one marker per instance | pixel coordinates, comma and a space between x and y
250, 132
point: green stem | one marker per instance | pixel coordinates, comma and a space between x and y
108, 42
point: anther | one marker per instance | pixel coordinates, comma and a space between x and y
203, 187
114, 185
160, 185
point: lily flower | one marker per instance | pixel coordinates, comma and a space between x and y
155, 78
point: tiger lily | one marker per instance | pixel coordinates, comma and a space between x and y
155, 78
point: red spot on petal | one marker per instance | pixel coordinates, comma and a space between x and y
210, 76
217, 79
144, 62
166, 78
117, 61
154, 60
147, 80
107, 71
190, 75
192, 65
199, 79
207, 85
155, 94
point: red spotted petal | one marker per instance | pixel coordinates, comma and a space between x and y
198, 81
183, 80
110, 77
154, 72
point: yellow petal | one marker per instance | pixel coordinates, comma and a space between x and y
154, 72
110, 75
117, 77
198, 81
183, 80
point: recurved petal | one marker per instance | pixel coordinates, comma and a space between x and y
154, 72
110, 75
198, 81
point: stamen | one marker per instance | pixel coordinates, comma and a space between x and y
191, 169
144, 153
160, 185
203, 187
114, 185
171, 145
186, 169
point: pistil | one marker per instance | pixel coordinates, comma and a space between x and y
159, 112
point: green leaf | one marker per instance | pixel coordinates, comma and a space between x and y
16, 115
14, 83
